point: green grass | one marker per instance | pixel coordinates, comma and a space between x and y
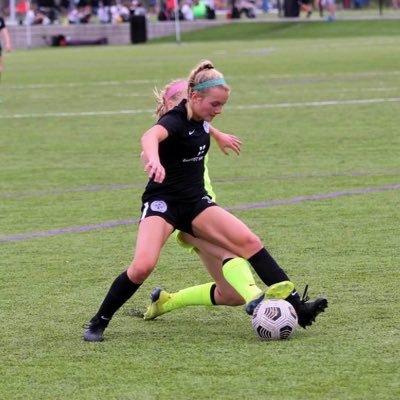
344, 247
260, 30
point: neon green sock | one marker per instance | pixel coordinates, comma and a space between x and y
238, 274
199, 295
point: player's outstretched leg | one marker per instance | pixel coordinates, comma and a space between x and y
163, 302
158, 298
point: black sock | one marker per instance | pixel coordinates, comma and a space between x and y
267, 268
121, 290
212, 294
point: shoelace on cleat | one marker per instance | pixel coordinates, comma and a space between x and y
305, 296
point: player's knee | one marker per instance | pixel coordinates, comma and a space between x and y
140, 269
251, 244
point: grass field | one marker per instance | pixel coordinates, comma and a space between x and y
318, 179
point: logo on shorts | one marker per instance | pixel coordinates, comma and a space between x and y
159, 206
208, 198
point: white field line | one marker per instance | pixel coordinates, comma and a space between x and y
268, 77
276, 90
80, 84
246, 107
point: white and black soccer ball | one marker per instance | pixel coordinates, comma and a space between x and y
274, 320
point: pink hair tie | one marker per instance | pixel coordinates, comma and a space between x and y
175, 88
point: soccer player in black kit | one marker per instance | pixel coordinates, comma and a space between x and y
175, 198
216, 259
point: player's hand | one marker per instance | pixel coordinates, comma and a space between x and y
155, 170
226, 141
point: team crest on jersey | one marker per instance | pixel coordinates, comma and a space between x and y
159, 206
206, 126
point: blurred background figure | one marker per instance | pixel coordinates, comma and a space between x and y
21, 8
265, 6
152, 6
119, 12
330, 6
5, 41
199, 9
35, 16
81, 14
247, 8
103, 13
187, 11
210, 9
305, 5
137, 8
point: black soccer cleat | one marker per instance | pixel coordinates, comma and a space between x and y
308, 311
94, 329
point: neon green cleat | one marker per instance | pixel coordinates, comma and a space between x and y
158, 298
279, 291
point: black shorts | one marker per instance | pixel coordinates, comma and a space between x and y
179, 215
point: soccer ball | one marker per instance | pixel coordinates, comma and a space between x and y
274, 320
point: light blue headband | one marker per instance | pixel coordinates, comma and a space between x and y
210, 83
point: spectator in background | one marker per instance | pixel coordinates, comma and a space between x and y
152, 6
137, 8
330, 6
104, 14
170, 8
305, 5
64, 6
119, 12
21, 9
5, 40
318, 6
187, 11
35, 16
163, 14
199, 9
80, 14
265, 6
210, 9
247, 8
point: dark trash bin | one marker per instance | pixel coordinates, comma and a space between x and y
138, 29
291, 8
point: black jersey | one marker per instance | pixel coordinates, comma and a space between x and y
182, 156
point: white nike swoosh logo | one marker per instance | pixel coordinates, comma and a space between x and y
191, 132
